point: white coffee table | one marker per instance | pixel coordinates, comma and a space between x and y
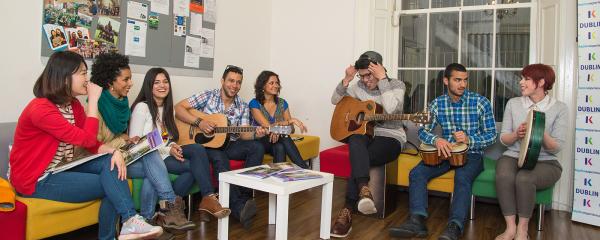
279, 197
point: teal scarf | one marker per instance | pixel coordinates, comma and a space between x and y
115, 112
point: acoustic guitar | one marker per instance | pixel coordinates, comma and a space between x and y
532, 142
352, 116
189, 134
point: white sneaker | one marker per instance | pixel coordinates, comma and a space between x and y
137, 228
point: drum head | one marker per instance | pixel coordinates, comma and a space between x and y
427, 148
525, 140
459, 147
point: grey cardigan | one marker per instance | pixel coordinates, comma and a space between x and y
515, 113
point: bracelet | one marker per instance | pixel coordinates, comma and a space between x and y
197, 122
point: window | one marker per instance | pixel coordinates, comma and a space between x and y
492, 38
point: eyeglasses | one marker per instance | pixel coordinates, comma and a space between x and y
368, 75
235, 68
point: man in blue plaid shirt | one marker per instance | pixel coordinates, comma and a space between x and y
241, 146
465, 117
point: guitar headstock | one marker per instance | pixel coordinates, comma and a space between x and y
420, 117
280, 129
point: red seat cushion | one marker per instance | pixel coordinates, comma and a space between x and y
336, 161
13, 222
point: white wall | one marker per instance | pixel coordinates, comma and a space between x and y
242, 39
312, 42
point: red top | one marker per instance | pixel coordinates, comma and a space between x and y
39, 130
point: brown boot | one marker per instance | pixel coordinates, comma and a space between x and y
342, 225
210, 204
366, 205
171, 215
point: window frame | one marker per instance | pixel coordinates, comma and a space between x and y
533, 35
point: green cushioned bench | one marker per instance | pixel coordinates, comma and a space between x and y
485, 186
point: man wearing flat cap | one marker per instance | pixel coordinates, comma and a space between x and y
365, 151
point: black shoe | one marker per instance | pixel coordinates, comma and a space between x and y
247, 213
413, 227
452, 232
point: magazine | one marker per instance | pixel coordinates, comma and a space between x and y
296, 175
133, 152
267, 170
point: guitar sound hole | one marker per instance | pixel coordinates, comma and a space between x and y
355, 124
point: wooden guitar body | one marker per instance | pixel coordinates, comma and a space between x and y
349, 118
194, 135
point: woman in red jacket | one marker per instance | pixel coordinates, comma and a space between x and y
52, 128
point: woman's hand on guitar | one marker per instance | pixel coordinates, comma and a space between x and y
444, 147
273, 138
521, 130
350, 73
299, 124
176, 152
260, 132
207, 126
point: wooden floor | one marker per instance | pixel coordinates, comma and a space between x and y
305, 210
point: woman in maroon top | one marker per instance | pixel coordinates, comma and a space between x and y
53, 128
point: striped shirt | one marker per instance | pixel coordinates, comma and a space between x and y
389, 94
210, 102
65, 151
472, 113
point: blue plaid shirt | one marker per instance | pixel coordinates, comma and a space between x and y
210, 102
471, 114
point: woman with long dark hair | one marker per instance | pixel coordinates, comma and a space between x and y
111, 71
269, 109
153, 108
52, 129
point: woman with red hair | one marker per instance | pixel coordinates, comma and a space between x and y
516, 187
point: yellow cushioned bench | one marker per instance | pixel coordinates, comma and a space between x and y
398, 172
46, 218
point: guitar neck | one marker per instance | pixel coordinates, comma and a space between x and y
234, 129
388, 117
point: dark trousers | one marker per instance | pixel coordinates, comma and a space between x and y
367, 152
195, 168
250, 151
284, 146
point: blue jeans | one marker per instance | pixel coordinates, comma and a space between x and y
284, 146
156, 181
195, 167
87, 182
250, 151
463, 181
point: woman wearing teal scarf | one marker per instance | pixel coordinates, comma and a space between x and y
111, 72
115, 111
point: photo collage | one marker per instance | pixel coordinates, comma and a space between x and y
68, 26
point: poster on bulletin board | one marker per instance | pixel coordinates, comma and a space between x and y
151, 32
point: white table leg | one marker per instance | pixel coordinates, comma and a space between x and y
272, 209
281, 226
326, 199
223, 225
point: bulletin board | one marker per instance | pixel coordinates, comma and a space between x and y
178, 35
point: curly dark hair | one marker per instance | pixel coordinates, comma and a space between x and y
107, 67
260, 83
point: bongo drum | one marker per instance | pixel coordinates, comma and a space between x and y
459, 155
429, 154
